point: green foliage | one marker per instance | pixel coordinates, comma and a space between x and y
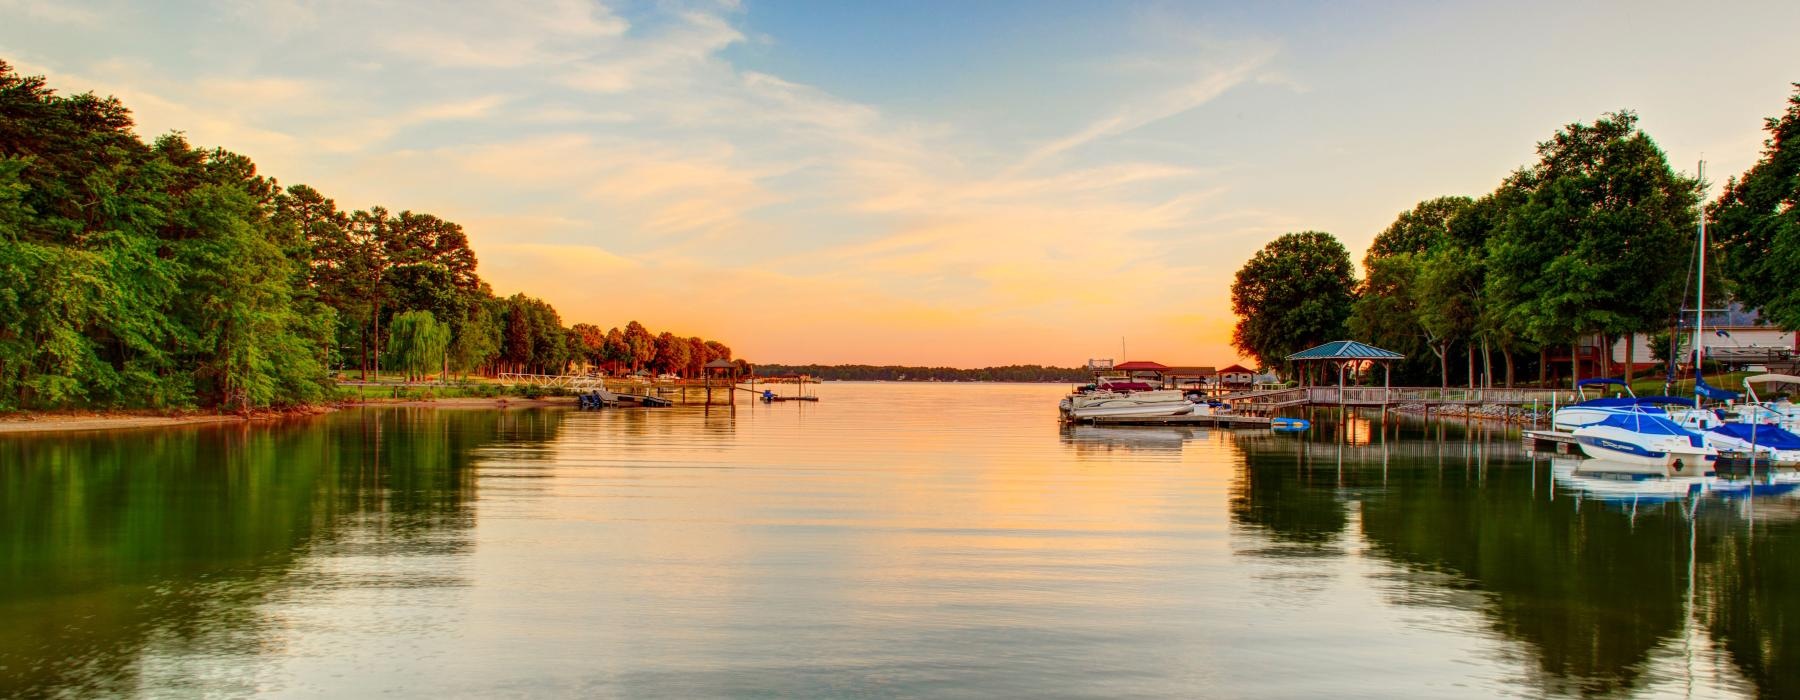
1596, 237
1418, 230
417, 343
1756, 224
136, 274
161, 275
532, 336
1294, 293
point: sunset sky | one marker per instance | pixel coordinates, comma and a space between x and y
921, 183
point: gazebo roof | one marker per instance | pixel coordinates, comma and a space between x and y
1345, 350
720, 364
1141, 365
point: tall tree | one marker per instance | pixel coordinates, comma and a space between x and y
1419, 229
1387, 310
1597, 239
1294, 293
642, 344
1755, 224
588, 343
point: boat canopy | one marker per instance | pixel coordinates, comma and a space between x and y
1769, 436
1713, 392
1646, 423
1779, 378
1596, 381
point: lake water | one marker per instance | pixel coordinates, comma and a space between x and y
893, 540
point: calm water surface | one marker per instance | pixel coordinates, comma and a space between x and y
892, 540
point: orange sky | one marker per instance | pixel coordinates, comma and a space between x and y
888, 184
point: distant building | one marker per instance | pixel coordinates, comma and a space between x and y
1235, 377
1734, 336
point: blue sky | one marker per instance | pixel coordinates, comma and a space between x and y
960, 183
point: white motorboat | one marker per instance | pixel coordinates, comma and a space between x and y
1132, 404
1644, 439
1591, 411
1781, 412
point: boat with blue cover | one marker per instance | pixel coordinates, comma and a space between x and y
1644, 438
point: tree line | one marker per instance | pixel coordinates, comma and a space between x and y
1597, 239
163, 274
896, 373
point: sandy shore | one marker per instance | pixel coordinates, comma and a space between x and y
61, 422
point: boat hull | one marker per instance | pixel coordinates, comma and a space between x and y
1678, 459
1124, 409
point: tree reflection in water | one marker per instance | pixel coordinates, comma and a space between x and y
116, 545
1594, 593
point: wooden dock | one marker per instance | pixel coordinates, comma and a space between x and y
1271, 401
1550, 441
1187, 420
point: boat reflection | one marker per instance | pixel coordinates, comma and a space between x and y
1103, 439
1624, 483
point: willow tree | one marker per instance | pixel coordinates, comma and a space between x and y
418, 343
1294, 293
1756, 224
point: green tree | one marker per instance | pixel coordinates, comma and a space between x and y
1755, 224
617, 352
1596, 240
477, 340
1294, 293
1420, 229
418, 343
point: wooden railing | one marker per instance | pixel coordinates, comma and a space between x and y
1388, 396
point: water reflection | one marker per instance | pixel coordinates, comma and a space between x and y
139, 559
1583, 568
891, 540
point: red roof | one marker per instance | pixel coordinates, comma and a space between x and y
1141, 365
1236, 369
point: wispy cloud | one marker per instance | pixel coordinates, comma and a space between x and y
573, 142
1184, 97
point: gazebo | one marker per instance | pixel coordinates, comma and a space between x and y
1345, 353
714, 367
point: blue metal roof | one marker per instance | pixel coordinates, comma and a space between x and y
1345, 350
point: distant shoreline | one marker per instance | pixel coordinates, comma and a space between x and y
42, 422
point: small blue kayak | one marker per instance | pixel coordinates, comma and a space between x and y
1289, 425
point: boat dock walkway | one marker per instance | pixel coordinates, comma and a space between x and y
1557, 441
1188, 420
1273, 400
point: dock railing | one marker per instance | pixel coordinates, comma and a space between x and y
1260, 401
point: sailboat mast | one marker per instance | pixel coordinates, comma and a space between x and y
1700, 301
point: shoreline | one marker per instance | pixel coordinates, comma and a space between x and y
43, 422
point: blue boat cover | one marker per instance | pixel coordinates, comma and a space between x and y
1764, 435
1651, 424
1599, 380
1646, 423
1713, 392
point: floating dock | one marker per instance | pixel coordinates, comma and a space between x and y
1213, 421
1549, 441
